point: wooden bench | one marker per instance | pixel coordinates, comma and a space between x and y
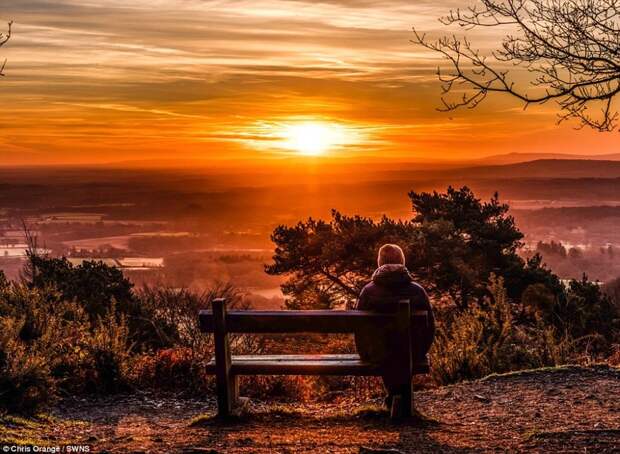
227, 368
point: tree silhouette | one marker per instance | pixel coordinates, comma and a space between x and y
570, 48
453, 243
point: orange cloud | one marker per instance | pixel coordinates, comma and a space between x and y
111, 80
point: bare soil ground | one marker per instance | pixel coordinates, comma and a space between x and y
567, 409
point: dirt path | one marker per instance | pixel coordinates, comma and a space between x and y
569, 409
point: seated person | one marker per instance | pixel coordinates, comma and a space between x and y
392, 282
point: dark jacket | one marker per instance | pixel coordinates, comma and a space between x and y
391, 283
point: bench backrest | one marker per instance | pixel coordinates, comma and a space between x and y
272, 322
325, 321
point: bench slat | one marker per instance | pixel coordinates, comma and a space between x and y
306, 365
349, 367
300, 357
273, 322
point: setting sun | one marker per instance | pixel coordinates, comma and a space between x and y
313, 139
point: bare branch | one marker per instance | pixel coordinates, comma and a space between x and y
4, 38
569, 52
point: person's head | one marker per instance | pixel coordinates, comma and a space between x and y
390, 254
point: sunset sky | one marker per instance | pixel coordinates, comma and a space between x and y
95, 81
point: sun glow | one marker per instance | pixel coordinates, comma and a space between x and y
313, 139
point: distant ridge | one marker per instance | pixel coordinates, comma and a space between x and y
544, 168
346, 161
516, 158
537, 169
353, 172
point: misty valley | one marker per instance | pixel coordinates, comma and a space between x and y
191, 229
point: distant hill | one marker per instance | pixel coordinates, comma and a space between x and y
515, 158
541, 168
546, 168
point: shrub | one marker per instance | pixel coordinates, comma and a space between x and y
173, 369
107, 353
587, 311
36, 331
93, 284
49, 344
25, 381
484, 339
172, 313
184, 350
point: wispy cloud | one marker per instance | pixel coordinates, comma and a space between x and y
96, 80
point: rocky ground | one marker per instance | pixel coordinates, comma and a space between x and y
568, 409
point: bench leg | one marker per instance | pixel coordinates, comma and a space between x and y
396, 405
407, 402
227, 384
402, 405
404, 364
227, 395
234, 391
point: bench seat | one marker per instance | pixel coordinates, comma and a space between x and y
339, 364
